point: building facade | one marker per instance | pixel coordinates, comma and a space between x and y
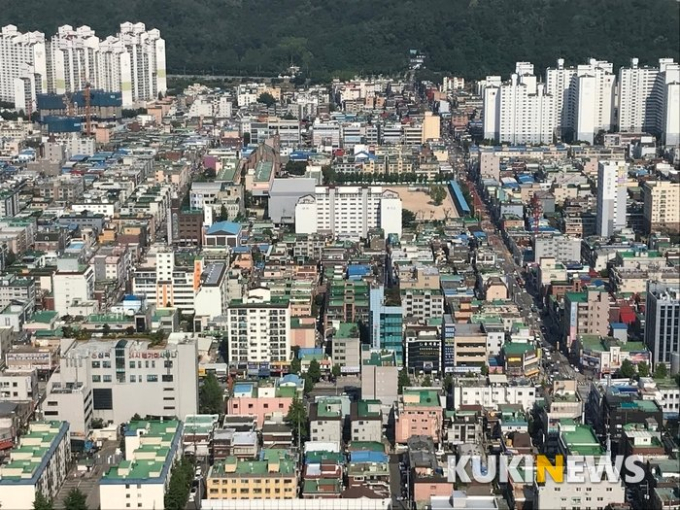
662, 323
349, 211
611, 197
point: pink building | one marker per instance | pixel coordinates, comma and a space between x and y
265, 399
420, 413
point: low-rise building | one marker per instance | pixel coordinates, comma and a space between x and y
366, 420
326, 421
419, 412
142, 479
39, 464
235, 479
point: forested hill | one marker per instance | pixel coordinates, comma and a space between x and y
471, 38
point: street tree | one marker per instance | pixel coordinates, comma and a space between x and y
627, 369
75, 500
297, 419
42, 503
314, 371
210, 396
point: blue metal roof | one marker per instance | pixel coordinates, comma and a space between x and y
225, 226
362, 456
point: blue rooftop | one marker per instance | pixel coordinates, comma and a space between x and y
618, 326
225, 226
362, 456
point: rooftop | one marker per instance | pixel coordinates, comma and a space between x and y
231, 466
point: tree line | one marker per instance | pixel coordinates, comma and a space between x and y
469, 38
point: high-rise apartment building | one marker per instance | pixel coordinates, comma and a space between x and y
611, 197
386, 322
24, 69
649, 99
519, 111
662, 323
258, 328
349, 210
132, 62
583, 98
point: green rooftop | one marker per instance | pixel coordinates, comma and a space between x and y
369, 409
369, 446
576, 297
32, 449
263, 171
421, 397
327, 486
581, 440
154, 451
231, 466
347, 330
517, 348
44, 317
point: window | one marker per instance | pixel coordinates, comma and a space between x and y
96, 364
96, 378
152, 378
167, 378
107, 378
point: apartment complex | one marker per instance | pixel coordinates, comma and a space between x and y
142, 479
39, 464
649, 99
583, 98
132, 62
349, 211
519, 111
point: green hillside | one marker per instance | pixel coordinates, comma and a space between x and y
467, 37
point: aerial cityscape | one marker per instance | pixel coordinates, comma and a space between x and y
340, 270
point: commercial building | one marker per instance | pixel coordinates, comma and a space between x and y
379, 376
39, 464
563, 248
142, 479
661, 206
596, 492
349, 211
496, 390
274, 478
258, 328
611, 197
662, 322
422, 350
129, 377
386, 321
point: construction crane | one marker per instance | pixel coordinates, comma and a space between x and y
68, 103
536, 207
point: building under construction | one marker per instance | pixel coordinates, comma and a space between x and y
104, 106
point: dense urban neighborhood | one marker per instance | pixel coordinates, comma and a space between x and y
404, 291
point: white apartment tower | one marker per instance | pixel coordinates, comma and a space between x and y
349, 211
519, 111
258, 328
74, 59
649, 99
24, 69
611, 197
132, 63
584, 98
